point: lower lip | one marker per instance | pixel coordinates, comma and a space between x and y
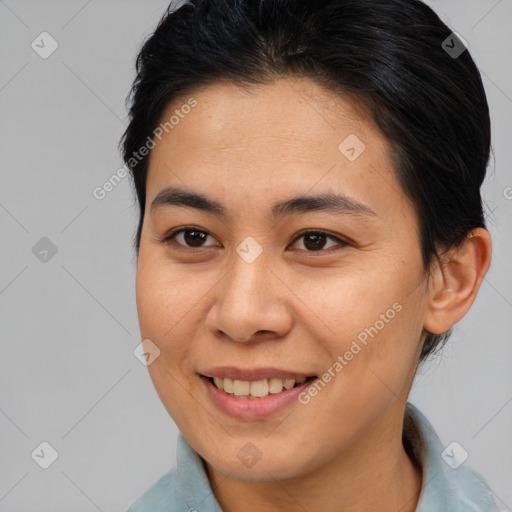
253, 409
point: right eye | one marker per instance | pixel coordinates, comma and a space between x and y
182, 237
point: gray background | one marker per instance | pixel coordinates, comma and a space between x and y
69, 326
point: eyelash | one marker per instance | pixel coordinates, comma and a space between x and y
168, 238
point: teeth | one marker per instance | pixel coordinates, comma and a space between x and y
275, 385
256, 388
241, 387
288, 383
259, 388
228, 385
219, 383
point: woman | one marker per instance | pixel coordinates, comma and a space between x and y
311, 227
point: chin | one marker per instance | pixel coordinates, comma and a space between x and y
253, 464
261, 472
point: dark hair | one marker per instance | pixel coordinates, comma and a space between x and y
392, 55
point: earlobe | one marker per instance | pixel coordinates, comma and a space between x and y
455, 283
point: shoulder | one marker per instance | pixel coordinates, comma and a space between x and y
448, 482
472, 491
185, 488
162, 494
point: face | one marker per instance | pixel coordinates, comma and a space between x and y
231, 287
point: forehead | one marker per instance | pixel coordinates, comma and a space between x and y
290, 136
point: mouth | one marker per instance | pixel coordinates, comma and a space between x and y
256, 389
254, 395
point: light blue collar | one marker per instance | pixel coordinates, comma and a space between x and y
193, 479
446, 484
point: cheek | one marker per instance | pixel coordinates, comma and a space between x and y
374, 320
379, 355
164, 311
162, 305
164, 293
172, 301
347, 301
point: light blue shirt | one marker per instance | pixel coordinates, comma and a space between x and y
448, 484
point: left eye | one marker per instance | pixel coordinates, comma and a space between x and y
315, 240
193, 238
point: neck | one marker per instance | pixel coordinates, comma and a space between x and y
375, 474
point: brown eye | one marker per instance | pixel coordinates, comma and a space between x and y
194, 238
187, 238
315, 241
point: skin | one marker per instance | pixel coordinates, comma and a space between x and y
293, 307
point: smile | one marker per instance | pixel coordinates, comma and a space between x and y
254, 395
255, 388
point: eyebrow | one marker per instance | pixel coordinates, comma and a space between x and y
327, 201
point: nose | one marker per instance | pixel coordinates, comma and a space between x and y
251, 305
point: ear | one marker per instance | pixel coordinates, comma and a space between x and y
455, 283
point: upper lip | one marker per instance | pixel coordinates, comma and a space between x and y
250, 374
